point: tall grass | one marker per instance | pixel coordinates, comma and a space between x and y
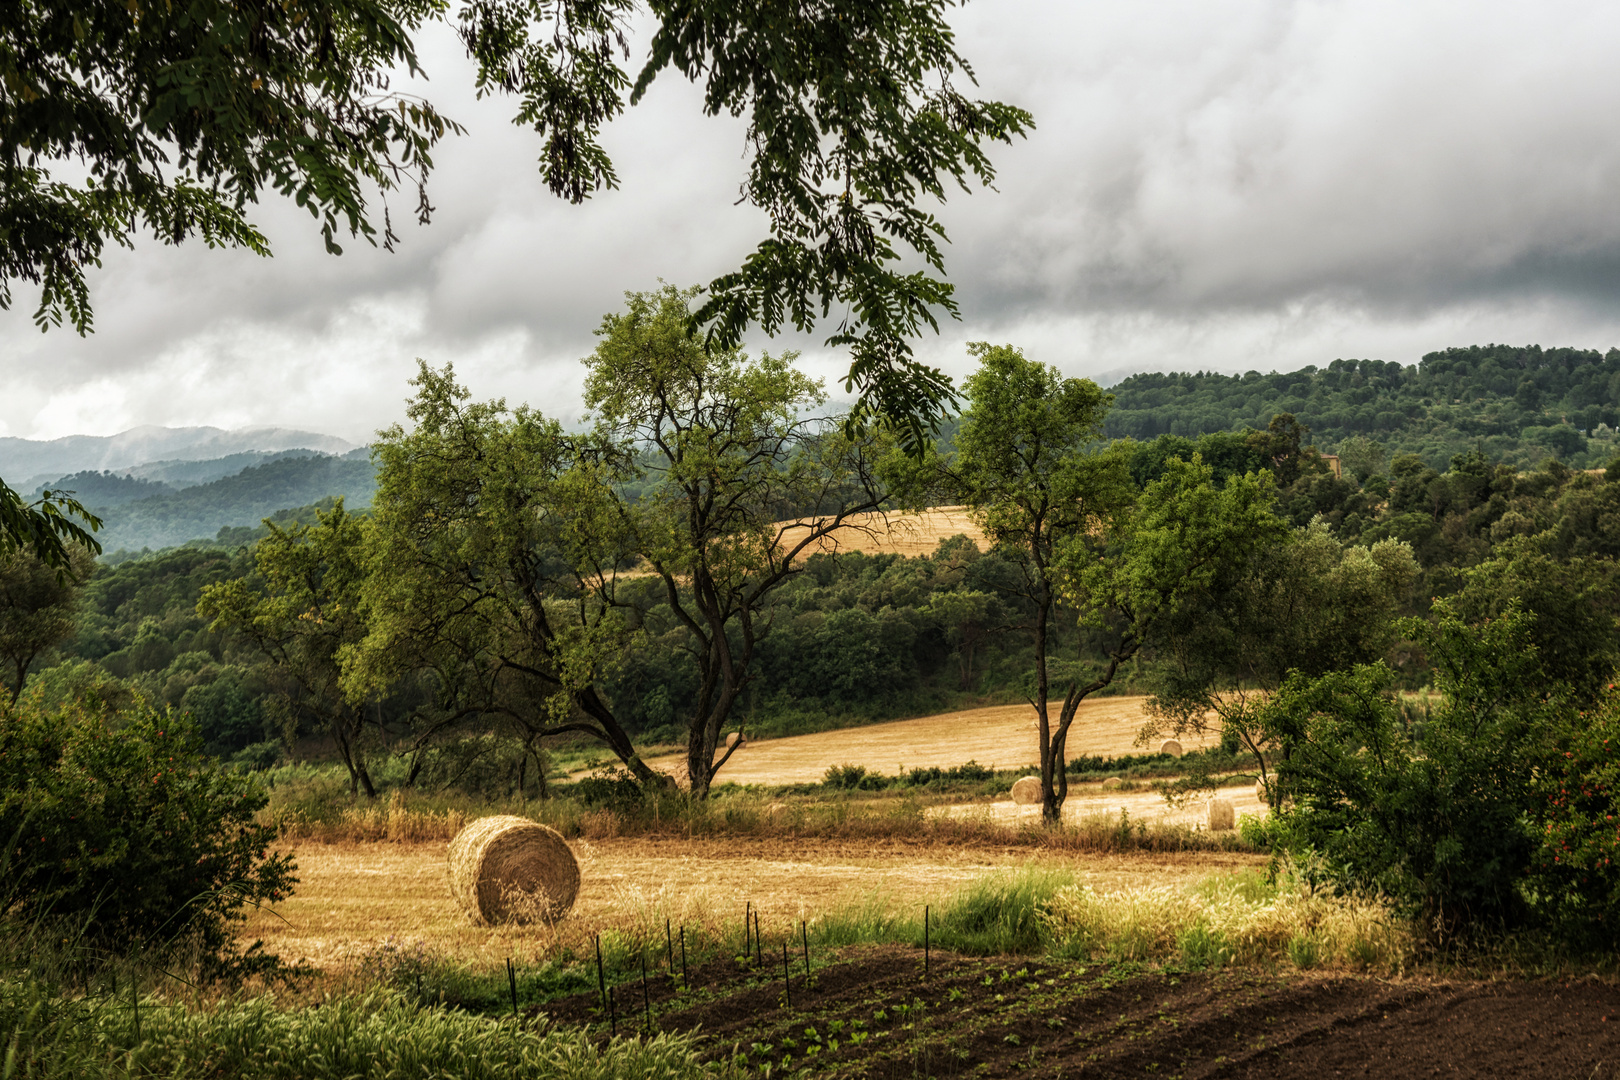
360, 1037
1241, 918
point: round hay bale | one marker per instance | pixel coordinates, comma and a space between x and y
1260, 790
1026, 791
1111, 783
1222, 815
510, 869
737, 739
1170, 746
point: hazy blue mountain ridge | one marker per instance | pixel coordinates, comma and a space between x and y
28, 462
201, 511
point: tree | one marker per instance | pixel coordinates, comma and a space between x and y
1180, 541
303, 610
1019, 466
38, 608
1568, 605
183, 115
1305, 604
496, 566
45, 528
739, 484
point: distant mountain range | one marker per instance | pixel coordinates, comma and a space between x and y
169, 518
26, 463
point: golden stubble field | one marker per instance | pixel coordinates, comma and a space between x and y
1002, 736
354, 896
908, 534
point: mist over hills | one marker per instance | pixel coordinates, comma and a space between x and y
25, 463
199, 512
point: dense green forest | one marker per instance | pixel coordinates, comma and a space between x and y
1519, 405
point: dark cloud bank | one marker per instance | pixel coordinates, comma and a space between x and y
1212, 185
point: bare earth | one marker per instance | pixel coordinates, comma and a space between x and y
353, 897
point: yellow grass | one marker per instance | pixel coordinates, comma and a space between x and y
895, 533
1002, 736
352, 897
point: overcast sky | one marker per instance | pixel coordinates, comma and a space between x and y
1225, 184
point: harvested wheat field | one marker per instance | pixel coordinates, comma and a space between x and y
895, 534
1003, 736
352, 897
1090, 800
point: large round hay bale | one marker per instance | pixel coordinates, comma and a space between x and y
737, 739
1111, 783
1026, 790
1260, 790
1170, 746
1222, 815
510, 869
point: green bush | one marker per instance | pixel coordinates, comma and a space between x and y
1442, 819
854, 778
116, 823
1577, 869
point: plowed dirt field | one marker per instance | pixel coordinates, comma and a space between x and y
875, 1013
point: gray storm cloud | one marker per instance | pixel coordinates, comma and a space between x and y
1211, 185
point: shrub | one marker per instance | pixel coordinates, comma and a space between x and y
118, 823
1576, 872
854, 778
1440, 820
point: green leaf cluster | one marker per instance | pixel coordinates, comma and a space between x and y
116, 824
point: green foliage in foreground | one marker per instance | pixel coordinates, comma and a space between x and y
353, 1038
1491, 813
118, 825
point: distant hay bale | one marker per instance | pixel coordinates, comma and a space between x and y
1170, 746
737, 739
510, 869
1222, 815
1260, 790
1111, 783
1026, 790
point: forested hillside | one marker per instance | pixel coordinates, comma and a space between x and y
199, 512
1519, 405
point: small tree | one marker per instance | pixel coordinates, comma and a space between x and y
302, 610
1021, 466
1178, 544
1082, 538
498, 557
37, 607
738, 483
1305, 604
